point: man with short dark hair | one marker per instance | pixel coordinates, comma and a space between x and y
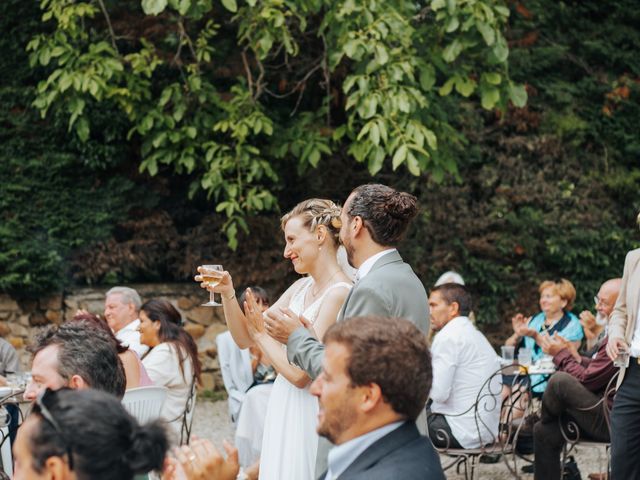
374, 383
75, 355
463, 360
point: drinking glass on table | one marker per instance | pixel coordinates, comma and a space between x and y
507, 353
622, 360
524, 357
211, 276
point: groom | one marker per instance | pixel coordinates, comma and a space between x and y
374, 219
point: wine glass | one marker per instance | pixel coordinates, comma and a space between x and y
211, 276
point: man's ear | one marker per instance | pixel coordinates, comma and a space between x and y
76, 382
454, 308
371, 397
357, 225
56, 468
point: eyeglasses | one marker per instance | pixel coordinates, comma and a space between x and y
41, 406
598, 301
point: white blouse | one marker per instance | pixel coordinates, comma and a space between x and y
163, 366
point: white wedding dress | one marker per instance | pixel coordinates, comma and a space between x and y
290, 441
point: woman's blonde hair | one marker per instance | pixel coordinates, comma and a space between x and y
315, 212
563, 288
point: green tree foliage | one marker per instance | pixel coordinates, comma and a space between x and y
237, 92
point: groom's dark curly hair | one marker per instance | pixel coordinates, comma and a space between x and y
385, 212
390, 352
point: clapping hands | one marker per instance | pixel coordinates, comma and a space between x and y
200, 460
520, 325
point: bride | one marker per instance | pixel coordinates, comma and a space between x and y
290, 440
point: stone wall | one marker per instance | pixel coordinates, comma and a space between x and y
20, 318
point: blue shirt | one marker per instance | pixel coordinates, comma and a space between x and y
572, 331
341, 456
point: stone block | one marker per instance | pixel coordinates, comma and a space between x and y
37, 319
7, 303
5, 329
17, 342
195, 330
54, 316
51, 302
185, 303
18, 330
202, 315
24, 320
208, 381
208, 340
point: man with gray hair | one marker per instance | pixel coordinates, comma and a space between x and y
121, 309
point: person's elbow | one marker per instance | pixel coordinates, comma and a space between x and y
300, 380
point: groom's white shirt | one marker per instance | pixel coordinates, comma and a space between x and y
368, 264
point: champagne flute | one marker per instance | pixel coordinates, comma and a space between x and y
211, 276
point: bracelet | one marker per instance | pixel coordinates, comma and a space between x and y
231, 297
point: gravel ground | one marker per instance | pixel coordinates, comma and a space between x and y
212, 421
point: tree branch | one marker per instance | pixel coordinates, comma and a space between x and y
112, 34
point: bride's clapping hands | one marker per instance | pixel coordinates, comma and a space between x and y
253, 314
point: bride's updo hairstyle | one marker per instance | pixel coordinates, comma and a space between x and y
386, 212
315, 212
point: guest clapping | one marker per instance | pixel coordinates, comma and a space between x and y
556, 301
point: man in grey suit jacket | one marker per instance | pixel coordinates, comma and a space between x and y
375, 381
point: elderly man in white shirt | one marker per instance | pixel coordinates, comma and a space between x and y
121, 309
462, 360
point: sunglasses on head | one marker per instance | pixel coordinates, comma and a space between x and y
40, 407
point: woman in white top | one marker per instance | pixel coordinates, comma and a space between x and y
172, 360
290, 440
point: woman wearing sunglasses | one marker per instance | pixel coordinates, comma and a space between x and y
85, 434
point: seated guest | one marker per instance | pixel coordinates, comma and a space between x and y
75, 355
374, 383
121, 310
248, 381
172, 360
9, 364
579, 383
556, 301
134, 371
463, 360
73, 435
594, 327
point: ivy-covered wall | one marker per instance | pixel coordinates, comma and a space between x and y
545, 191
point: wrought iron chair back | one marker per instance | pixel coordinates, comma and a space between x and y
501, 442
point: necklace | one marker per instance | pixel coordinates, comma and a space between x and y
324, 284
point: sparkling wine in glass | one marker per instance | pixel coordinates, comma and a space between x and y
211, 276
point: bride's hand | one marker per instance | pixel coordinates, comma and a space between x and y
253, 314
225, 286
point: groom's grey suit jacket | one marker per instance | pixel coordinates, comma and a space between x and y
390, 289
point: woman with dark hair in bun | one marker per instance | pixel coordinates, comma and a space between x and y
85, 434
172, 360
